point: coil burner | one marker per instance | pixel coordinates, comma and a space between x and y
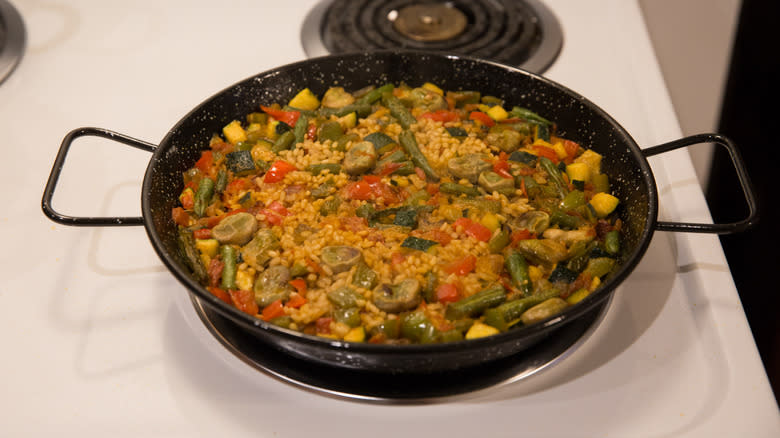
522, 33
12, 39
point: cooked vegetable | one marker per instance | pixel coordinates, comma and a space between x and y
397, 298
236, 229
397, 214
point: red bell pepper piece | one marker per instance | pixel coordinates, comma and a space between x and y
441, 115
277, 171
288, 117
474, 229
244, 300
447, 293
463, 266
273, 310
482, 117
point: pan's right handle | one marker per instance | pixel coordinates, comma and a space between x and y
742, 176
54, 176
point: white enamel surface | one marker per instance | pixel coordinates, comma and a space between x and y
97, 341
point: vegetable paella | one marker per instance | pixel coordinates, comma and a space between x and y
397, 214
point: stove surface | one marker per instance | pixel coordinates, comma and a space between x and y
97, 342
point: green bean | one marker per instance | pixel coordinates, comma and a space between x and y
558, 217
221, 183
518, 270
283, 142
527, 114
429, 287
230, 268
376, 94
477, 303
318, 168
398, 110
555, 175
203, 195
330, 131
191, 254
409, 143
300, 128
282, 321
505, 315
458, 189
612, 242
543, 310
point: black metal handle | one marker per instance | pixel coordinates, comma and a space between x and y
742, 175
54, 176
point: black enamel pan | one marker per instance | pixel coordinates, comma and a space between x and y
577, 119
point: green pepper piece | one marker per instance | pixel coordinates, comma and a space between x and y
417, 243
499, 241
364, 276
612, 242
191, 254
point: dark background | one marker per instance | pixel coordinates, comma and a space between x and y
751, 117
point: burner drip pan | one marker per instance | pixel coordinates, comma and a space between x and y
12, 39
523, 33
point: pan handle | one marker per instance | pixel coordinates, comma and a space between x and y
742, 175
54, 176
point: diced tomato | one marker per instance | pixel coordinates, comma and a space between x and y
463, 266
482, 118
519, 235
202, 233
273, 310
389, 168
244, 300
420, 173
205, 162
440, 236
215, 271
314, 266
447, 293
474, 229
371, 187
237, 185
501, 167
544, 151
275, 213
288, 117
323, 325
432, 188
187, 198
277, 171
311, 133
397, 258
221, 294
300, 285
571, 148
441, 116
296, 301
180, 216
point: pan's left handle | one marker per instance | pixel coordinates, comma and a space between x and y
54, 176
742, 176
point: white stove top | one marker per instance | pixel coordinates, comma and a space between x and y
99, 339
